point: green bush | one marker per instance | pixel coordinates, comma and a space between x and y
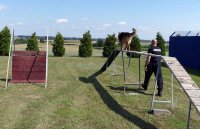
5, 41
32, 44
109, 45
85, 48
135, 46
161, 43
58, 46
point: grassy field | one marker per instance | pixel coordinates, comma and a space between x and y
74, 101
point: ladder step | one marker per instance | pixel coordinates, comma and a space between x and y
161, 111
132, 83
161, 101
117, 74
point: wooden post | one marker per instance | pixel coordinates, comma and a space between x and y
8, 65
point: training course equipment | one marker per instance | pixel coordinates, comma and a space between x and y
185, 47
185, 81
27, 66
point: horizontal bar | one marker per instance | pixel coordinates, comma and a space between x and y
161, 110
142, 53
116, 74
132, 83
161, 101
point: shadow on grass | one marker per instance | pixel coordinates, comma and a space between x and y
4, 80
114, 105
35, 84
121, 88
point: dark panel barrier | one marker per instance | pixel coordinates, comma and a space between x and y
28, 67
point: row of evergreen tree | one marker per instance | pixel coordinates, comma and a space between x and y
85, 48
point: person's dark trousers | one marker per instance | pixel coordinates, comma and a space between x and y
152, 68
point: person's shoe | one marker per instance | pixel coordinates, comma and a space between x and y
159, 94
144, 87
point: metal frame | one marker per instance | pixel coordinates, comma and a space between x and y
154, 91
125, 73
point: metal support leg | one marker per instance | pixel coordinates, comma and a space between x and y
172, 90
114, 69
188, 117
114, 73
124, 72
153, 96
139, 73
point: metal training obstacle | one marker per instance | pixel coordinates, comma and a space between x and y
27, 66
177, 71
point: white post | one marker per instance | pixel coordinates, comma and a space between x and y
8, 65
47, 58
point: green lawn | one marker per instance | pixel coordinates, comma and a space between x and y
74, 101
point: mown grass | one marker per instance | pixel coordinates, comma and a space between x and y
74, 101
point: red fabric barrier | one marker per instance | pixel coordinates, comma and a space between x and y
28, 67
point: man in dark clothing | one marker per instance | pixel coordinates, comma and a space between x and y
151, 66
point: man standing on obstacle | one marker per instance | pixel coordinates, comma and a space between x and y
151, 66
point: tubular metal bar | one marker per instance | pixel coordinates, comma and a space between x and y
188, 117
129, 62
123, 66
172, 92
139, 73
8, 65
114, 72
46, 80
142, 53
161, 101
124, 71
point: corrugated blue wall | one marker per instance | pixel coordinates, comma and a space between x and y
187, 50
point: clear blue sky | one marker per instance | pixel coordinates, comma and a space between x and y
102, 17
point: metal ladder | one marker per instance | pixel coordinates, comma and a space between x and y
125, 73
153, 101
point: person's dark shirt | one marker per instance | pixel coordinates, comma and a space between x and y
154, 50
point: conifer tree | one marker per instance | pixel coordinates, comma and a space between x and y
85, 48
5, 41
135, 46
161, 43
32, 43
58, 45
109, 45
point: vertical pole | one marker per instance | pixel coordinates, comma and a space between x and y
129, 62
47, 53
188, 117
139, 72
12, 49
13, 40
172, 101
124, 71
114, 72
8, 65
123, 66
